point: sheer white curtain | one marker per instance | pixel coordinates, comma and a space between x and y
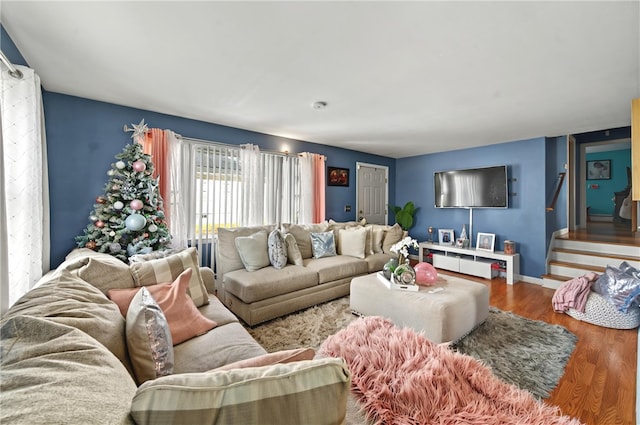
252, 186
24, 186
181, 185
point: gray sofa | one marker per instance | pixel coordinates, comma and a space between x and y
268, 293
66, 357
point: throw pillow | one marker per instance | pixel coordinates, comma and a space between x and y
168, 269
302, 233
353, 241
619, 286
283, 393
253, 250
368, 245
103, 271
148, 338
323, 244
378, 238
227, 256
123, 297
184, 318
279, 357
277, 249
392, 237
154, 255
293, 252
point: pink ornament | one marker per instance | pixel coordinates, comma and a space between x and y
100, 224
136, 204
426, 274
139, 166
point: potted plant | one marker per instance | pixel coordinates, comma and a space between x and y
404, 215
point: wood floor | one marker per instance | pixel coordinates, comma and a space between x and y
599, 383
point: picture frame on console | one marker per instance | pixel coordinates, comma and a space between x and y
485, 241
445, 237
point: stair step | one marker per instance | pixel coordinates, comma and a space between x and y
589, 267
556, 277
598, 254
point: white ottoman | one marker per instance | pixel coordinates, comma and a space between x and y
441, 316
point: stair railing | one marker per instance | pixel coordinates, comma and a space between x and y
561, 177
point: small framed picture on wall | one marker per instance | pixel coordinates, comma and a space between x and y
599, 170
337, 176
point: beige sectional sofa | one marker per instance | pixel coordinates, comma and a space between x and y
67, 355
268, 292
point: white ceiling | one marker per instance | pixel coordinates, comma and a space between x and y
400, 78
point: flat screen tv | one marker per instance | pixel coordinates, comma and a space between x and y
472, 188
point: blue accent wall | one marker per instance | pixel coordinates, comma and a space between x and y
600, 197
83, 137
524, 220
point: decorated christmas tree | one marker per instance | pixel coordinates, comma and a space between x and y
128, 219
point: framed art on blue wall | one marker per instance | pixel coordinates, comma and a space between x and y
599, 169
337, 176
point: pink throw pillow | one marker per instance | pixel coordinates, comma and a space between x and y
184, 318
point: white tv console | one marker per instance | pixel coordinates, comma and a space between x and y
470, 260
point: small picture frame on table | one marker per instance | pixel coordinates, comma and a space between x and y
485, 241
445, 237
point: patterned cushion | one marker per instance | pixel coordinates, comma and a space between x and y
300, 391
277, 249
56, 374
148, 338
293, 252
253, 250
167, 269
323, 244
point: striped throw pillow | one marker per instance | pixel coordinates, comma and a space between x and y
296, 392
166, 270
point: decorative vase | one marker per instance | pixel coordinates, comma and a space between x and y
404, 274
389, 268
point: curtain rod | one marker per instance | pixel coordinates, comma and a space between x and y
13, 71
229, 145
226, 145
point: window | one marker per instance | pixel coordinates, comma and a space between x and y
217, 199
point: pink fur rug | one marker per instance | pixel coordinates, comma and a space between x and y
400, 377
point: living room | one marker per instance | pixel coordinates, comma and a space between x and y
84, 135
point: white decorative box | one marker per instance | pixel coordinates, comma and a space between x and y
393, 285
